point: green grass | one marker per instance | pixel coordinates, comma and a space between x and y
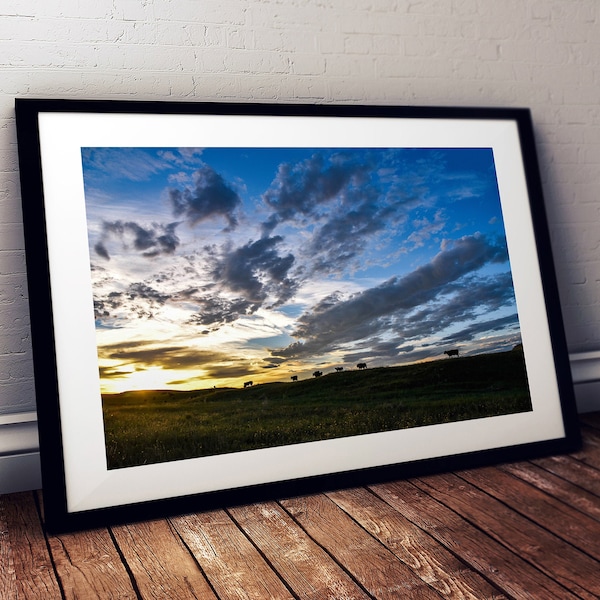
156, 426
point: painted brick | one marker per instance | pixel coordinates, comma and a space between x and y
230, 12
15, 367
256, 62
330, 44
358, 44
11, 235
11, 262
307, 64
270, 39
13, 288
440, 8
17, 396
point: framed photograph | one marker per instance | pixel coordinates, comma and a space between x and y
231, 302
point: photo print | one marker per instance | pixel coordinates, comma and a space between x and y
255, 297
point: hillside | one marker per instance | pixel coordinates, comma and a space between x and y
157, 425
437, 377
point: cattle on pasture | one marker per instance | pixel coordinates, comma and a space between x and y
361, 365
317, 373
294, 377
338, 369
453, 352
248, 384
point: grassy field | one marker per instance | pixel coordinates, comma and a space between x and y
145, 427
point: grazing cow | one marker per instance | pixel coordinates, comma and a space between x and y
362, 365
247, 384
317, 373
452, 352
294, 377
338, 369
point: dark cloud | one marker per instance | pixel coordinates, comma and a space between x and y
341, 203
273, 362
138, 300
145, 354
471, 332
103, 307
240, 368
215, 311
381, 351
256, 271
110, 373
302, 188
205, 306
460, 302
210, 197
143, 291
168, 241
334, 322
101, 250
149, 241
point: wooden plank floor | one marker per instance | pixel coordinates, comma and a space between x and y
520, 530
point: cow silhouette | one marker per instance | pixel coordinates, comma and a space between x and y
248, 384
317, 373
294, 377
362, 365
452, 352
338, 369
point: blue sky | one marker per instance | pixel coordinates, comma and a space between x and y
214, 266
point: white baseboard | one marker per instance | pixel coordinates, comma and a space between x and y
585, 370
19, 453
587, 396
20, 473
19, 448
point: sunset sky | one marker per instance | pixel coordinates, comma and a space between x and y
215, 266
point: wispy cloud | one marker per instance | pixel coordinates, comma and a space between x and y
343, 237
131, 164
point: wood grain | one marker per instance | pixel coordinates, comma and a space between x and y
8, 579
494, 561
160, 563
568, 493
31, 563
570, 469
304, 565
372, 564
590, 450
89, 566
557, 517
554, 557
234, 567
451, 577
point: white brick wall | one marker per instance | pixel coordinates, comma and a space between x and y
544, 54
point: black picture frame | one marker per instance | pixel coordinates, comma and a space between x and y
80, 490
